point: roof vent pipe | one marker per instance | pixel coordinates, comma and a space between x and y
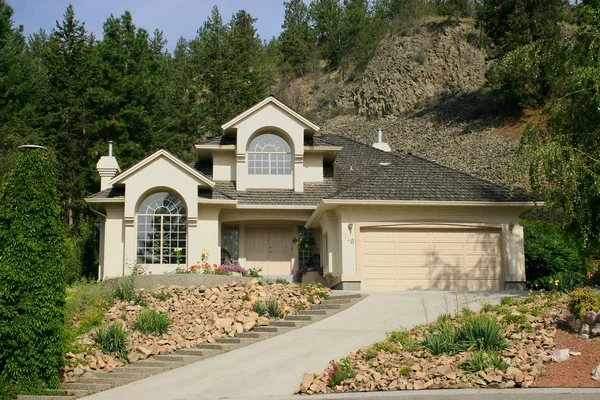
110, 148
380, 144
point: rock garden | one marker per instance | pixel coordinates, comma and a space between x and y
501, 346
110, 327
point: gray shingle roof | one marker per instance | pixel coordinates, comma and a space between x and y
362, 172
113, 193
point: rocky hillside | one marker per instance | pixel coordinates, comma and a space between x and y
425, 90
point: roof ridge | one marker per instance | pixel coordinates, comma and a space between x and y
400, 156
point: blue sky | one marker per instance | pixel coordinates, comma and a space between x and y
175, 18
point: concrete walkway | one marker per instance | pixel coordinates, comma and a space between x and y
274, 367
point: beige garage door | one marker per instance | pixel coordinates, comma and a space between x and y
432, 259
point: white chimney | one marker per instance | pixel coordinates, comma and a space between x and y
381, 145
108, 168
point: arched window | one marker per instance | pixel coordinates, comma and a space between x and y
161, 233
269, 154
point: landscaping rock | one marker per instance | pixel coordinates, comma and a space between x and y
596, 373
560, 355
590, 318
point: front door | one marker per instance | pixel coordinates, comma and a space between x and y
269, 248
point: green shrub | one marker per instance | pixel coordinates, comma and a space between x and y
443, 340
124, 290
162, 296
32, 287
405, 370
552, 256
370, 353
340, 371
402, 337
516, 319
273, 309
482, 360
481, 332
508, 301
113, 340
583, 300
259, 308
385, 346
152, 322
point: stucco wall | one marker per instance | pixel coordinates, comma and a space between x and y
282, 124
113, 261
313, 167
502, 218
224, 168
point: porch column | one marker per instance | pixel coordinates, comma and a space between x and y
193, 250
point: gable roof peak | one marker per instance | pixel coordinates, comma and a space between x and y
270, 100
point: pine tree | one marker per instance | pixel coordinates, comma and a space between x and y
296, 41
67, 57
326, 16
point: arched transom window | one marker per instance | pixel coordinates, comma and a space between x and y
269, 154
161, 230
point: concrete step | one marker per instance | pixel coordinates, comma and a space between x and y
146, 371
229, 340
185, 359
265, 329
119, 373
299, 318
114, 380
343, 300
35, 397
312, 312
283, 323
247, 335
95, 387
210, 346
353, 296
327, 306
152, 362
193, 352
80, 393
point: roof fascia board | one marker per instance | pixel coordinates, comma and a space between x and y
263, 103
162, 153
105, 200
215, 147
273, 207
434, 203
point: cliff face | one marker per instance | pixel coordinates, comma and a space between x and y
438, 61
426, 91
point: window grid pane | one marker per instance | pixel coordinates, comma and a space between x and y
269, 154
162, 229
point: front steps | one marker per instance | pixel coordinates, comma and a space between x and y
93, 382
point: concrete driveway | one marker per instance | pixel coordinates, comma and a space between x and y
274, 367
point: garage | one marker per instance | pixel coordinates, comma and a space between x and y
430, 259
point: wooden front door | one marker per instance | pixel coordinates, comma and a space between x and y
269, 248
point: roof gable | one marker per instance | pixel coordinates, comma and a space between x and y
197, 175
273, 101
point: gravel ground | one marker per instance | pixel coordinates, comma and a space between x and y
577, 370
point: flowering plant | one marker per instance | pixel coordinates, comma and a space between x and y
233, 268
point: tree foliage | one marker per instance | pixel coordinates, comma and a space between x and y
564, 151
32, 289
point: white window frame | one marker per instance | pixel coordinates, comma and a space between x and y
157, 213
269, 154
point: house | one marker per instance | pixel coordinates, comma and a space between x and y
380, 220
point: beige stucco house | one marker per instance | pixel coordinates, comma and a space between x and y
380, 220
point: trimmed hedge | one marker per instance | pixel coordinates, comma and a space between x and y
32, 288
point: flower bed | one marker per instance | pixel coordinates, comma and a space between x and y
190, 315
501, 347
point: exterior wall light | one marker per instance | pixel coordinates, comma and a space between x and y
350, 226
511, 226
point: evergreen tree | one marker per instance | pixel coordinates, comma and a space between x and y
32, 290
296, 41
67, 57
326, 16
20, 90
509, 24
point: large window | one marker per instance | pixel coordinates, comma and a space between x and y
269, 154
161, 230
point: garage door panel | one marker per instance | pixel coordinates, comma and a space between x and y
439, 259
